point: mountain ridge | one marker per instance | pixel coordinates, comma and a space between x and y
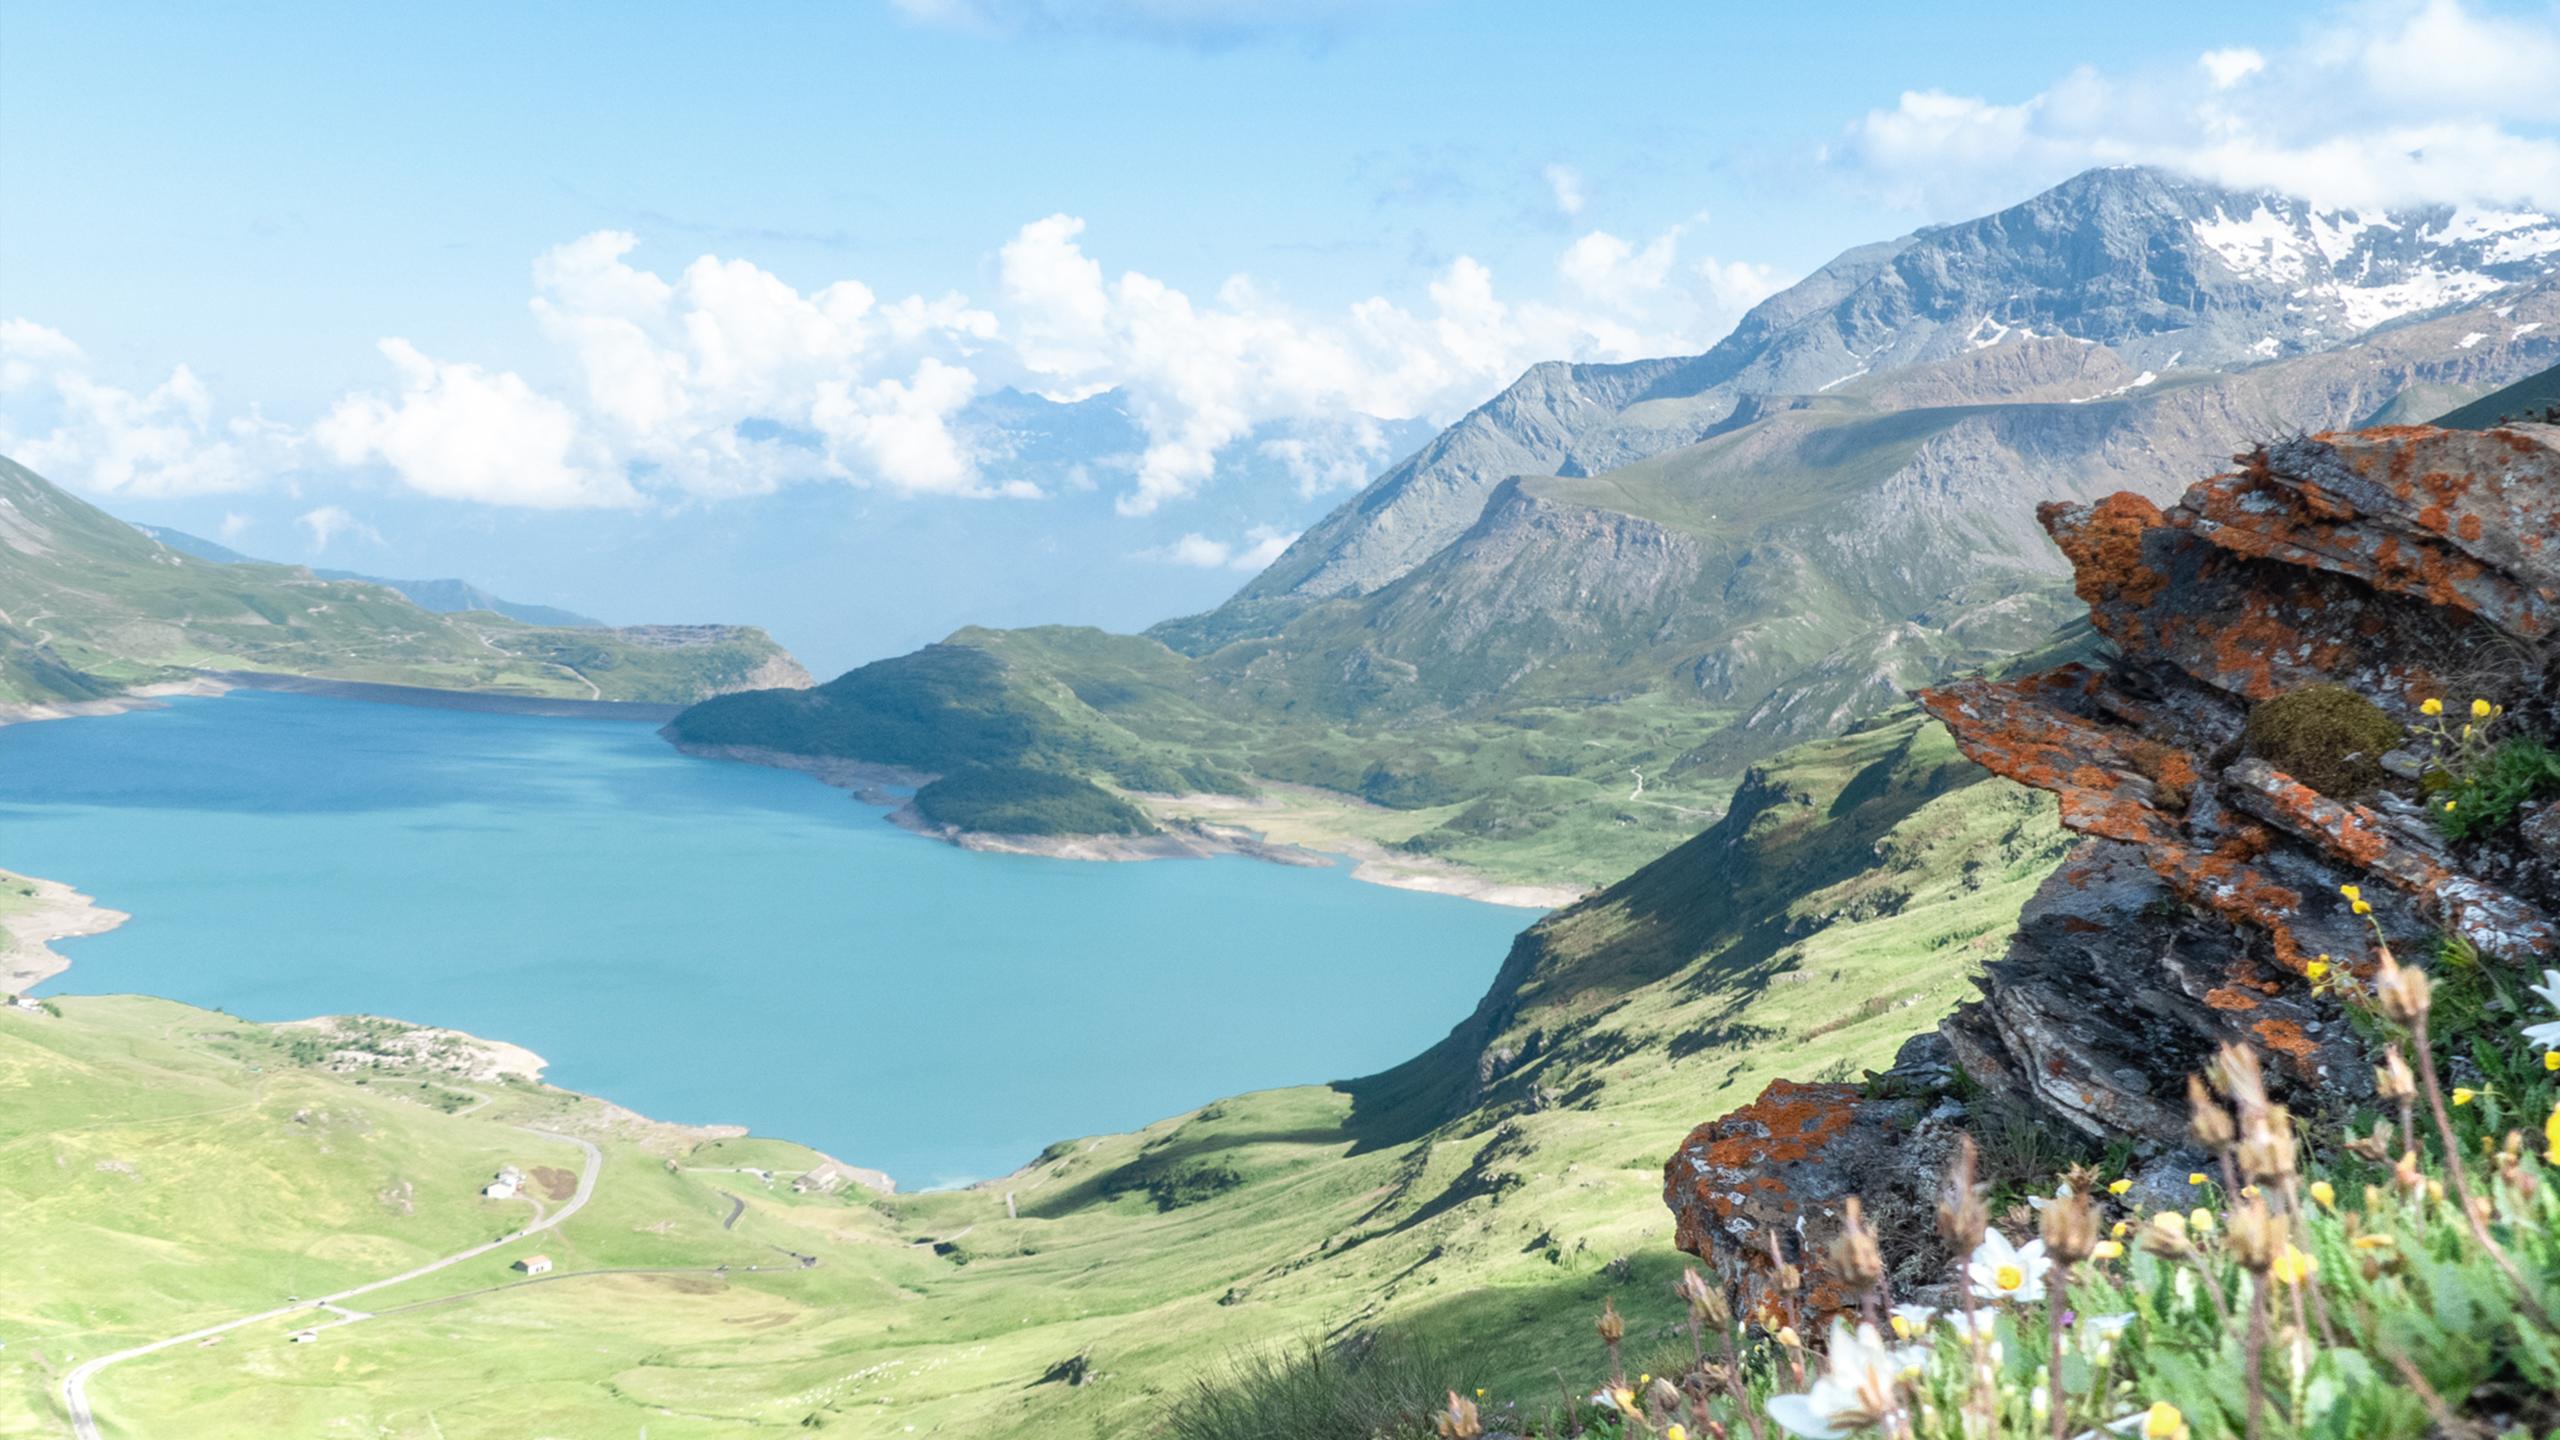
441, 597
91, 607
2157, 267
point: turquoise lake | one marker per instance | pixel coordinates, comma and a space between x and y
712, 942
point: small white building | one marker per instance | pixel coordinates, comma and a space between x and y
535, 1265
509, 1181
305, 1337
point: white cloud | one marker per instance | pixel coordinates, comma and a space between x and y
2227, 68
1200, 375
234, 525
1261, 545
58, 419
902, 428
463, 433
328, 522
672, 370
2440, 59
1566, 184
2391, 103
723, 379
1327, 456
1196, 550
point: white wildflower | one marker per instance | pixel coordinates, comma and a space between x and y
1857, 1388
2546, 1036
2002, 1271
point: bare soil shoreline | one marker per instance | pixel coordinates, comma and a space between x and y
57, 912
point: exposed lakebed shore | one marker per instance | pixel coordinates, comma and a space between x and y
38, 913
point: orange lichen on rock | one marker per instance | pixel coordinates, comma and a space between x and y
2104, 545
1781, 1168
1787, 1122
2285, 1038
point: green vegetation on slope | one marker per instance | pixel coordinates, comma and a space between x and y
90, 606
1482, 1198
1013, 800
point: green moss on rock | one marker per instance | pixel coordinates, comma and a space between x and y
2326, 736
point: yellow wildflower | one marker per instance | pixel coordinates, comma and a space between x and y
2551, 1059
2373, 1242
2163, 1422
1675, 1431
2108, 1250
2292, 1266
2452, 805
2118, 1187
2317, 968
2551, 1136
2200, 1220
2464, 1094
2352, 892
2248, 1192
2119, 1230
2195, 1177
2482, 709
2324, 1194
2362, 907
2431, 706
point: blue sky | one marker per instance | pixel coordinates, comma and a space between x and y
1420, 197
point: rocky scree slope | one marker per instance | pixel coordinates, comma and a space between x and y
2399, 563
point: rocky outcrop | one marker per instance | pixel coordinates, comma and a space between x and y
2402, 564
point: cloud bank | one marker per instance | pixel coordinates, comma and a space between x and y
2391, 103
723, 379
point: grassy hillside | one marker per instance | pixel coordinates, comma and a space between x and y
89, 606
171, 1168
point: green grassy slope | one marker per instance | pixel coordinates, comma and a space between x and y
1856, 885
89, 605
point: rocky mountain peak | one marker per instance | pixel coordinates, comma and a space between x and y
2164, 272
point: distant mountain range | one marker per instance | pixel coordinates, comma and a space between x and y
2167, 275
1550, 639
443, 597
91, 607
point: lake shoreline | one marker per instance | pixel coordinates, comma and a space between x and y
56, 912
1181, 837
141, 697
